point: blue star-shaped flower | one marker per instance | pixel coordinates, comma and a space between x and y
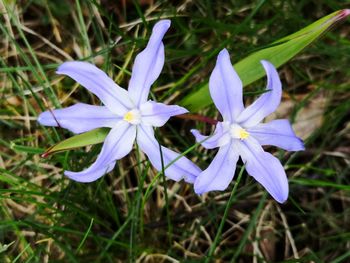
128, 113
242, 134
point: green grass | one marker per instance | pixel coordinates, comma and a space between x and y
133, 214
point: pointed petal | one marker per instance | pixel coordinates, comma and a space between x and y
219, 173
265, 168
92, 176
183, 168
79, 118
148, 64
267, 102
97, 82
226, 88
118, 143
157, 114
220, 137
278, 133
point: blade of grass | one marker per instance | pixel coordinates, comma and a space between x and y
85, 236
83, 29
224, 217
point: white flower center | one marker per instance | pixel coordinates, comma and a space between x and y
237, 132
133, 116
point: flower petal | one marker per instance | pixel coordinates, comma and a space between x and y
226, 88
79, 118
219, 138
219, 173
267, 102
265, 168
91, 176
97, 82
278, 133
157, 114
117, 144
148, 64
181, 168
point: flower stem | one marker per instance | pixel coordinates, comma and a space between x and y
197, 117
223, 220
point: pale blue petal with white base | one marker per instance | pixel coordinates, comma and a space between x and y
219, 173
182, 168
277, 133
97, 82
117, 144
267, 102
157, 114
148, 64
226, 88
79, 118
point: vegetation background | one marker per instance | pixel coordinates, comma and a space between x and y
45, 217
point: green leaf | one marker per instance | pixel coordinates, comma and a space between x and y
319, 183
279, 52
80, 140
26, 149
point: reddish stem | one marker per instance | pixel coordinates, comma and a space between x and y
196, 117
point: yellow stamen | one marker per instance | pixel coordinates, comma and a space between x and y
129, 116
237, 132
133, 117
243, 134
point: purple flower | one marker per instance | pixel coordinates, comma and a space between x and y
128, 113
242, 134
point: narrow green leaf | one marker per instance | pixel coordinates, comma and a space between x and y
279, 52
85, 236
319, 183
26, 149
80, 140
